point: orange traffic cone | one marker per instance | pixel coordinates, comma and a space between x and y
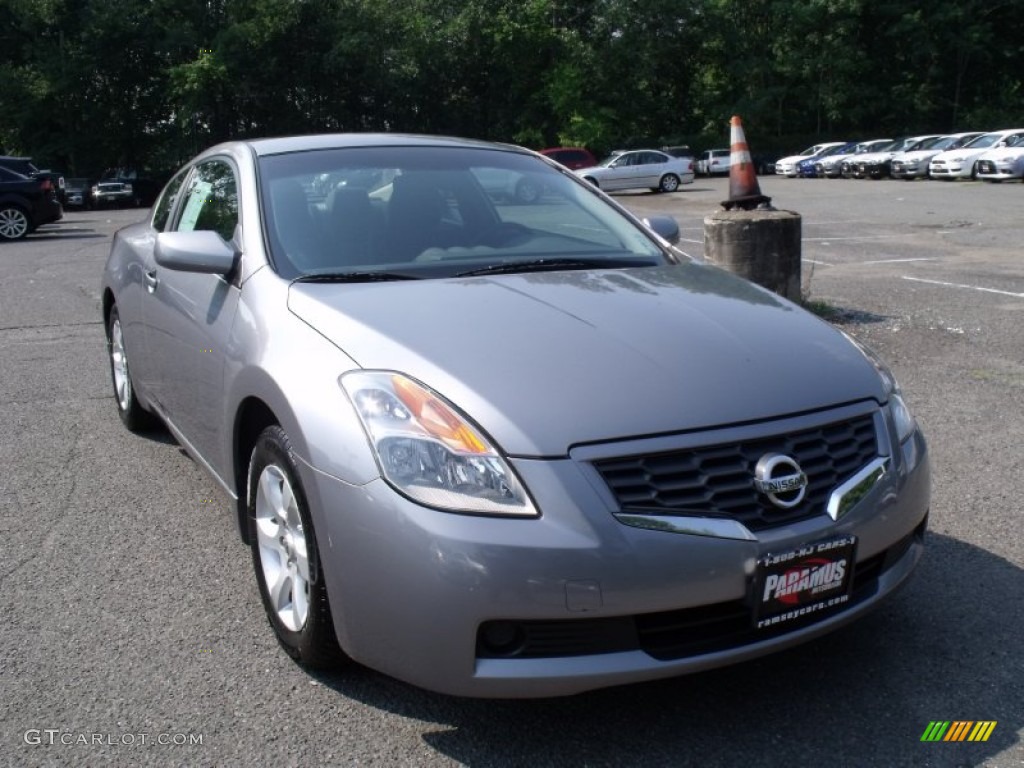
743, 189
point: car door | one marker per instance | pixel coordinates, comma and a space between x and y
652, 166
189, 314
629, 171
137, 291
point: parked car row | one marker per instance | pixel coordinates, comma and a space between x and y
992, 156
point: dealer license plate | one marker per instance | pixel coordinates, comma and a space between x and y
792, 585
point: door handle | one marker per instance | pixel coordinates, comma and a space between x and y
150, 280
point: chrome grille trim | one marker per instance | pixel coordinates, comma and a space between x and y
703, 484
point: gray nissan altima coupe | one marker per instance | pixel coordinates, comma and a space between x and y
505, 446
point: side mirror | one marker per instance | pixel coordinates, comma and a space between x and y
202, 251
666, 227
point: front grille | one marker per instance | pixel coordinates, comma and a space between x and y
718, 480
668, 635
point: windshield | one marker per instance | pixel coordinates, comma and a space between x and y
947, 142
985, 140
416, 212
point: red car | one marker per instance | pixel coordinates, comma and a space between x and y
571, 157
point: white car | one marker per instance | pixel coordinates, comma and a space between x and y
641, 169
962, 163
831, 166
787, 165
1003, 163
712, 161
914, 163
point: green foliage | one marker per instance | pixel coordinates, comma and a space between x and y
90, 84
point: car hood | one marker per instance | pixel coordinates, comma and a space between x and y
960, 154
874, 157
917, 154
1003, 153
545, 361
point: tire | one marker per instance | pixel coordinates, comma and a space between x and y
285, 555
669, 183
14, 222
527, 191
592, 180
133, 415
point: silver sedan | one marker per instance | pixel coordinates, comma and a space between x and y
504, 449
641, 169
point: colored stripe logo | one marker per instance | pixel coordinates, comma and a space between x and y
958, 730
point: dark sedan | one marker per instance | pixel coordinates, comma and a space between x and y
26, 204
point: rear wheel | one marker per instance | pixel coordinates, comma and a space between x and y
285, 554
669, 183
14, 223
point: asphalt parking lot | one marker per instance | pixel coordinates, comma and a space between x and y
132, 631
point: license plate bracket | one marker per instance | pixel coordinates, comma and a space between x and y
793, 584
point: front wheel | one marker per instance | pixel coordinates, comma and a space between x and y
14, 223
285, 554
133, 415
669, 183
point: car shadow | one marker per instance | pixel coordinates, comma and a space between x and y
844, 315
946, 648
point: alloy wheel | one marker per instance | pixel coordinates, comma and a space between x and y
119, 365
13, 223
282, 548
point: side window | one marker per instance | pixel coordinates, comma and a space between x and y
162, 209
211, 202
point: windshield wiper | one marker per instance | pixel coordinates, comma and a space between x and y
354, 277
543, 265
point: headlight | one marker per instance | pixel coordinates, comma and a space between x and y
901, 416
429, 451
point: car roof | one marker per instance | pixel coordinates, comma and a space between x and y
284, 144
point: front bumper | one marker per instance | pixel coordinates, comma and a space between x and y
954, 170
908, 170
1000, 171
112, 198
414, 591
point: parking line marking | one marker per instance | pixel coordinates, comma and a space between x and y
968, 287
899, 261
815, 261
855, 237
